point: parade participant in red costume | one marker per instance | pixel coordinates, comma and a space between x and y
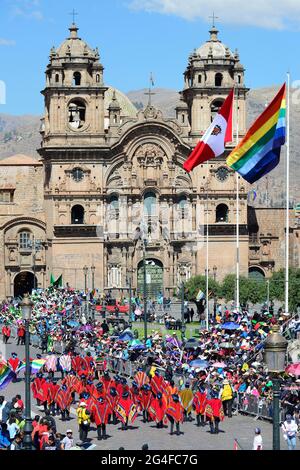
175, 413
141, 378
72, 382
145, 400
135, 393
157, 383
14, 362
88, 363
126, 411
170, 390
76, 362
6, 333
63, 400
107, 381
46, 392
199, 404
157, 410
214, 412
100, 410
53, 389
91, 388
112, 398
37, 388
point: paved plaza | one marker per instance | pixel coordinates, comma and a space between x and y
192, 437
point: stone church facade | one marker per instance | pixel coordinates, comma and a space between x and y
109, 185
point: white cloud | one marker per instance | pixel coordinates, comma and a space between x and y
29, 9
271, 14
7, 42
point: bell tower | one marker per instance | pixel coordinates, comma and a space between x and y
74, 95
74, 147
213, 70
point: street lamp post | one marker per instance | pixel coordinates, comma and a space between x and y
145, 287
93, 276
26, 306
182, 312
85, 271
215, 269
268, 295
129, 281
35, 246
274, 357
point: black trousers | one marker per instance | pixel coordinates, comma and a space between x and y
101, 431
172, 420
214, 425
227, 407
83, 432
65, 415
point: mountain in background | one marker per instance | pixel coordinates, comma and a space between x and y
20, 135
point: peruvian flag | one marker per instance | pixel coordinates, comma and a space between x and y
217, 135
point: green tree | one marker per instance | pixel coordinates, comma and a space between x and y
196, 283
277, 287
251, 290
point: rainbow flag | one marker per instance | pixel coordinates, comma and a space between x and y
36, 365
259, 152
6, 375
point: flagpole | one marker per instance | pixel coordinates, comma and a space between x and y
237, 215
207, 252
287, 229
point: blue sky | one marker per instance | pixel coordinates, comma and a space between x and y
136, 37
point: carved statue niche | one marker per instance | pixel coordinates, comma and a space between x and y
150, 155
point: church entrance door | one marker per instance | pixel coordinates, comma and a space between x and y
154, 278
24, 283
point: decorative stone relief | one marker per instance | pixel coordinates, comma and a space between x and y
150, 155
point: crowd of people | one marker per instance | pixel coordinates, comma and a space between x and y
170, 381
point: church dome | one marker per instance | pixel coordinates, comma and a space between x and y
127, 108
214, 48
75, 47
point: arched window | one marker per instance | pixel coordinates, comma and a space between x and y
199, 78
114, 206
77, 216
182, 205
24, 239
222, 213
215, 107
77, 111
77, 78
218, 79
97, 78
57, 78
150, 203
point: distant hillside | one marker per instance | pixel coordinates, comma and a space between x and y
20, 134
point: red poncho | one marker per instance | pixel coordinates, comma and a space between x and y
157, 410
100, 412
145, 399
37, 388
199, 402
214, 409
63, 399
175, 410
126, 410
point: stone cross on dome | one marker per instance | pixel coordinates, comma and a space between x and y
74, 14
214, 31
214, 17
